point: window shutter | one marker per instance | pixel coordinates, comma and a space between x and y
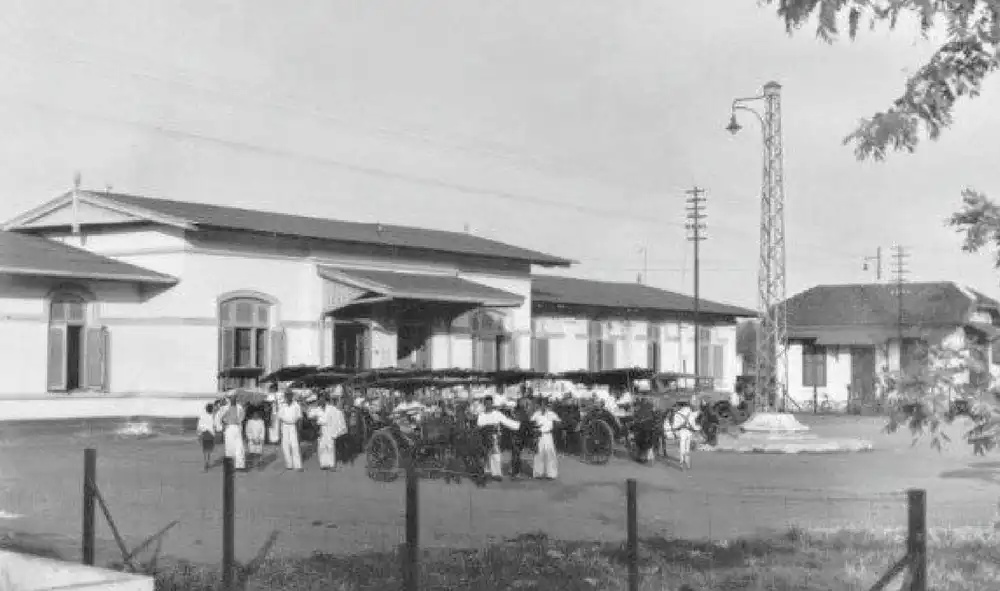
543, 364
95, 353
511, 356
718, 362
704, 360
653, 355
819, 362
57, 359
277, 349
227, 338
594, 355
607, 355
489, 359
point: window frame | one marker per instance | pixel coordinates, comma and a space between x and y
813, 357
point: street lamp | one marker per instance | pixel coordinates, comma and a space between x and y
772, 338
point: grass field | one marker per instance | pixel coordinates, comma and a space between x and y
149, 483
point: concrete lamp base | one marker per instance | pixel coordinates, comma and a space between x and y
773, 422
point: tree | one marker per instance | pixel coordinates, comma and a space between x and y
956, 71
937, 389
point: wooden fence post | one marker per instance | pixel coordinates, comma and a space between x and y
916, 540
632, 525
228, 523
411, 560
89, 505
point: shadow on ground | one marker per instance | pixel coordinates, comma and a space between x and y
981, 471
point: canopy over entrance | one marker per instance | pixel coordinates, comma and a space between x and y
353, 288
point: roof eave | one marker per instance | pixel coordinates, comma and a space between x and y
126, 277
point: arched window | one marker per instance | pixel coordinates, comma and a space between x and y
245, 325
493, 347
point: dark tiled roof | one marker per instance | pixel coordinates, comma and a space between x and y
940, 303
549, 289
422, 286
234, 218
21, 254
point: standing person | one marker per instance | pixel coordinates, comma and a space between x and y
274, 426
331, 426
256, 432
232, 419
290, 415
522, 438
546, 463
685, 424
206, 433
490, 420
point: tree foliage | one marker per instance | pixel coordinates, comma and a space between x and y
934, 392
955, 71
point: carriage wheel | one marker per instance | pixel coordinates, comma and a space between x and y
598, 440
384, 459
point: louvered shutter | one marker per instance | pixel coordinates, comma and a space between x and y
277, 349
57, 359
718, 362
96, 358
608, 355
227, 352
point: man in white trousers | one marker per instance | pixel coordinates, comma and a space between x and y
290, 415
545, 464
685, 424
490, 421
232, 421
331, 426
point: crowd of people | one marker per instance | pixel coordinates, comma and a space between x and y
244, 428
244, 431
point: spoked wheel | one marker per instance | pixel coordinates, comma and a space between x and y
384, 459
598, 441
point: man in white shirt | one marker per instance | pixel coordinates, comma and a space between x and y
289, 417
490, 420
546, 465
331, 426
685, 423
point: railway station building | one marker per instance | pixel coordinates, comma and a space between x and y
110, 293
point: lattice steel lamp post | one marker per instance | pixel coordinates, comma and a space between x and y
772, 337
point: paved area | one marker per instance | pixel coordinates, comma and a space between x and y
150, 482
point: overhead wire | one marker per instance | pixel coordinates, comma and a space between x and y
368, 170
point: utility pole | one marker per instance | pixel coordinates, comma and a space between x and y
696, 227
900, 271
878, 263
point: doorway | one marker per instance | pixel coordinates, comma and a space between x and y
863, 374
413, 346
350, 345
74, 357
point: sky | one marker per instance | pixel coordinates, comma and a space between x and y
573, 127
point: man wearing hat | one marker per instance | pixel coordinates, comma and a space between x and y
490, 421
685, 424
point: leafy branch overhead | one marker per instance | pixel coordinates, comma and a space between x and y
956, 70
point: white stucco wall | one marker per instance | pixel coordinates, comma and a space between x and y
568, 346
166, 340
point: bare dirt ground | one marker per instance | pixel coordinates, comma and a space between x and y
150, 482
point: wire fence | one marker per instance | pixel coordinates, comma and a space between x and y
141, 514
